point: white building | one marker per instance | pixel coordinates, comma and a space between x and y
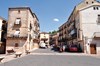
44, 38
3, 33
90, 25
83, 26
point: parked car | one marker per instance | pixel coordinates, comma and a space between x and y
42, 45
73, 48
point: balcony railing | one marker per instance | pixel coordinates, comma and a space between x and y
17, 36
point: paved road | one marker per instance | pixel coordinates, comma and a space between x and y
52, 52
48, 50
53, 60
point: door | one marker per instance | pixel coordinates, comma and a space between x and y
93, 48
2, 48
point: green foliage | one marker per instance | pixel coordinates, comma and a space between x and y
53, 32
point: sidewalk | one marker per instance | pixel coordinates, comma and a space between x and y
95, 55
12, 56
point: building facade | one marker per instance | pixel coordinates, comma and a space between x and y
83, 25
63, 34
54, 39
89, 32
3, 34
23, 29
44, 38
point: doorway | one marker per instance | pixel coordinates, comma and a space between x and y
93, 48
2, 48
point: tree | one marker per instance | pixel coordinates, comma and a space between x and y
53, 32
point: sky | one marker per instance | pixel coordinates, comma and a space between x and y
51, 13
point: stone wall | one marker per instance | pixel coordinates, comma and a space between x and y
13, 14
11, 44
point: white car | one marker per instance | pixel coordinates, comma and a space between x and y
42, 45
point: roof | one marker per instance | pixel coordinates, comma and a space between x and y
25, 7
95, 4
21, 7
35, 16
80, 6
44, 33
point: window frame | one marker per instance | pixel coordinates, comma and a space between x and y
18, 21
16, 45
98, 19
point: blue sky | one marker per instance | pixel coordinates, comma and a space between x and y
51, 13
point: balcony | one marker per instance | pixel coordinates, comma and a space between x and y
36, 40
73, 32
96, 35
12, 36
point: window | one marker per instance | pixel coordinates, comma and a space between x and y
16, 34
16, 44
18, 11
18, 20
96, 8
30, 26
92, 2
78, 33
86, 2
98, 19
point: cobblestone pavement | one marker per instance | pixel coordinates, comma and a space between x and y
46, 57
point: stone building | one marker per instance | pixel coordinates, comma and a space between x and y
63, 34
23, 29
83, 26
54, 39
3, 34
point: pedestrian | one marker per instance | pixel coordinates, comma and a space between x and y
63, 48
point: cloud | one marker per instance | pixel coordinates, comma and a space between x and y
56, 20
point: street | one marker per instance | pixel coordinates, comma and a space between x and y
46, 57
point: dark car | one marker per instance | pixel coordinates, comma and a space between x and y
73, 48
